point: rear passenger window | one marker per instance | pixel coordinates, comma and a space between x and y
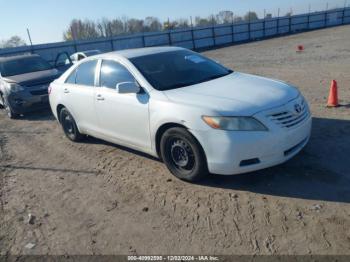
85, 74
113, 73
71, 78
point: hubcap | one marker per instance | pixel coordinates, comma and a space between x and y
182, 154
68, 124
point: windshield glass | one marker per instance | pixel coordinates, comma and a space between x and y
23, 65
176, 69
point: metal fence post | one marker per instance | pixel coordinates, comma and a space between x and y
290, 24
143, 40
169, 38
278, 22
112, 44
192, 35
75, 46
233, 31
249, 34
213, 31
326, 16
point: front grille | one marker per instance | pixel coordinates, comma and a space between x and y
290, 118
39, 92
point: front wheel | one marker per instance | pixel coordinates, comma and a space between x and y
69, 126
183, 155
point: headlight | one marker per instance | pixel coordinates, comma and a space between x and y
234, 123
16, 88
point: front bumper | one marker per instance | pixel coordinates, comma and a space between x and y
236, 152
24, 102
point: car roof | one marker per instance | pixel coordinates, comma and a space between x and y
137, 52
17, 57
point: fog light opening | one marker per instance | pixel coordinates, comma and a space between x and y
250, 162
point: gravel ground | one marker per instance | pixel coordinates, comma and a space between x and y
99, 198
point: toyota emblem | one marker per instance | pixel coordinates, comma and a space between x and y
297, 108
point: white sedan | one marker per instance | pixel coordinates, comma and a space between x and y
196, 115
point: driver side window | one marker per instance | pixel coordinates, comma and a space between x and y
113, 73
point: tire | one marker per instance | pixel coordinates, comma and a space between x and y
8, 109
69, 126
183, 155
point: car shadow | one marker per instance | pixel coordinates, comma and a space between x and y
320, 172
42, 115
49, 169
95, 141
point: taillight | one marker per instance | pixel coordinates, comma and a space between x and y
49, 89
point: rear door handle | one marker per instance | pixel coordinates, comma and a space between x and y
100, 98
66, 91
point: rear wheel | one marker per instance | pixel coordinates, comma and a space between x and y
69, 126
183, 155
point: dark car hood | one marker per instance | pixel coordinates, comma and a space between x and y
34, 78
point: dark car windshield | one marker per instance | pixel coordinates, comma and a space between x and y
175, 69
23, 65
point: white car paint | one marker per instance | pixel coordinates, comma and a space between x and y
76, 57
133, 120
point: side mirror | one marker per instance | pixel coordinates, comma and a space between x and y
128, 88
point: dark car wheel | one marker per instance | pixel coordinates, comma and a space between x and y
183, 155
9, 111
69, 126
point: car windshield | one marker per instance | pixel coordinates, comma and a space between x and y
23, 65
176, 69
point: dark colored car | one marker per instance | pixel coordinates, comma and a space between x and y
24, 82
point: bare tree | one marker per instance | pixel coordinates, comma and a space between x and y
250, 16
110, 28
134, 25
14, 41
200, 21
88, 29
183, 23
152, 24
81, 30
224, 17
179, 23
237, 19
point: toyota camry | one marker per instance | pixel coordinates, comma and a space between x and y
193, 113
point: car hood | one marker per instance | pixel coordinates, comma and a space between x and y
235, 94
34, 78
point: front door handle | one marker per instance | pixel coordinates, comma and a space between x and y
100, 98
66, 91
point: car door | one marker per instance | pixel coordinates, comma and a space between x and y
78, 94
122, 117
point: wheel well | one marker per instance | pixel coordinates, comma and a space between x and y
161, 130
59, 108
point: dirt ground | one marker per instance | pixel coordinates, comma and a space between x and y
98, 198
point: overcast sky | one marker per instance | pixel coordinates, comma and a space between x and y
47, 19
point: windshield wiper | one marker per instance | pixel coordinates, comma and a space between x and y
216, 76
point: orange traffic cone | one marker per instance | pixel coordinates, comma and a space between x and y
333, 95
